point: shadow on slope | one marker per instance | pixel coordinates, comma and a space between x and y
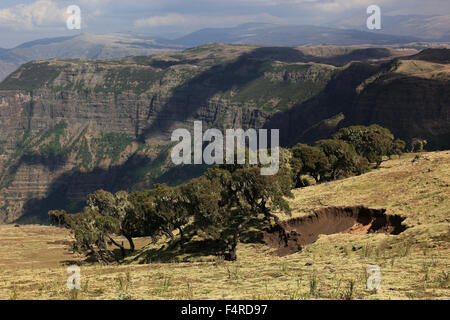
196, 92
297, 124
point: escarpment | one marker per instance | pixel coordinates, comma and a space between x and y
69, 127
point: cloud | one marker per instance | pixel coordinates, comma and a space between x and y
47, 18
186, 20
41, 13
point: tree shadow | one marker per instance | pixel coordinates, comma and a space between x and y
172, 251
196, 247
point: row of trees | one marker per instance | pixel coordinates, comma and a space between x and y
221, 203
349, 152
224, 201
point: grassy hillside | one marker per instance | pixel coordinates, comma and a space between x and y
414, 263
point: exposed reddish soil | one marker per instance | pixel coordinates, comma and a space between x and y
292, 235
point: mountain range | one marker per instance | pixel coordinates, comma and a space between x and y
117, 45
290, 35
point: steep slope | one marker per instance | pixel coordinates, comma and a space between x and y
408, 96
69, 127
411, 97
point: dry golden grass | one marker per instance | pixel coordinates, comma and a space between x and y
423, 69
414, 264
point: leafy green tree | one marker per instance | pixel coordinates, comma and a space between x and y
145, 218
225, 202
91, 231
162, 210
105, 216
417, 145
343, 159
204, 196
173, 207
372, 142
308, 160
59, 218
117, 207
398, 146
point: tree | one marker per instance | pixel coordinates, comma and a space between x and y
204, 196
343, 159
372, 142
118, 207
398, 147
417, 145
105, 216
308, 160
224, 202
144, 216
91, 231
164, 209
173, 207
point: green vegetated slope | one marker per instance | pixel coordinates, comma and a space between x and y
70, 126
271, 79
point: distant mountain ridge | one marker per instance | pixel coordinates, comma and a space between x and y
289, 35
84, 46
426, 27
118, 45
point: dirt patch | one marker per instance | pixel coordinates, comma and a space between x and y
292, 235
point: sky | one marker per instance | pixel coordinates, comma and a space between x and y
27, 20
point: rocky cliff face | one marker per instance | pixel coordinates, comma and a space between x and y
70, 127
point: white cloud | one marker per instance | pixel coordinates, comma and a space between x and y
41, 13
184, 20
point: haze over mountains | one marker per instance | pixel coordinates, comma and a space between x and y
396, 30
428, 27
87, 46
289, 35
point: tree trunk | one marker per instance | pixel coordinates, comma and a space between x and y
122, 249
316, 177
231, 254
130, 240
181, 236
268, 214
